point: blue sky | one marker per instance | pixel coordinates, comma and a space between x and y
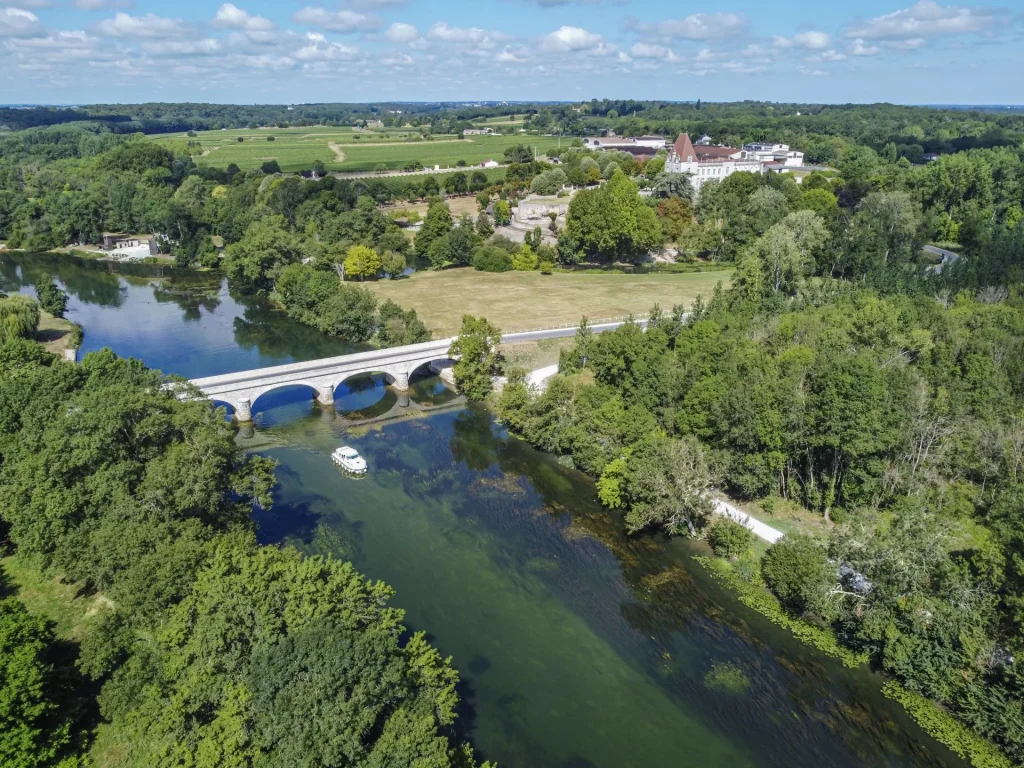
255, 51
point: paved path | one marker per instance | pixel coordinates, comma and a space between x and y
759, 529
948, 257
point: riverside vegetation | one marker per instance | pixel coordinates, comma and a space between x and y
196, 652
840, 374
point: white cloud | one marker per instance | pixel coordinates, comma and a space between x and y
402, 33
860, 49
509, 56
102, 5
205, 47
833, 55
35, 3
16, 22
697, 26
318, 48
230, 16
567, 38
706, 55
480, 38
812, 72
813, 40
907, 45
398, 60
150, 25
923, 19
337, 21
742, 68
650, 51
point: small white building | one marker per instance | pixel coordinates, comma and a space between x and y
774, 153
624, 144
477, 131
492, 163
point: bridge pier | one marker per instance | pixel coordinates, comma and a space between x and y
243, 410
325, 395
401, 381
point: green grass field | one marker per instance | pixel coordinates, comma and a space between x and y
342, 149
516, 301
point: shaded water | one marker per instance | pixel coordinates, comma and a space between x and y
577, 646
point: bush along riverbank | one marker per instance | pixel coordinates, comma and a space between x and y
894, 420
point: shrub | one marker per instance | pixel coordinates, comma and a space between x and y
491, 258
729, 539
796, 569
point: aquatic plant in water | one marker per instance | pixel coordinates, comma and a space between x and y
727, 677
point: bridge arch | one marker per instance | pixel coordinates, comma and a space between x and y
321, 391
435, 366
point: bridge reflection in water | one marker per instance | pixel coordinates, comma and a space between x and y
362, 401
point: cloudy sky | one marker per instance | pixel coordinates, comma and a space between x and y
88, 51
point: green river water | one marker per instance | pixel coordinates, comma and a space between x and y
577, 646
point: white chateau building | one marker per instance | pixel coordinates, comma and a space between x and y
709, 163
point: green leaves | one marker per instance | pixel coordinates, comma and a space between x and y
478, 357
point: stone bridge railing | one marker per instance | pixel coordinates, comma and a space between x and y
240, 390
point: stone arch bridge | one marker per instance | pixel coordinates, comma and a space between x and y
240, 390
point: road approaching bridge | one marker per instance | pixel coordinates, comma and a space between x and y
240, 390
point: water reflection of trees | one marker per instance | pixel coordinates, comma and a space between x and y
273, 334
90, 282
191, 299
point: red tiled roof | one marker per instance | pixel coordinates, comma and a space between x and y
707, 151
684, 148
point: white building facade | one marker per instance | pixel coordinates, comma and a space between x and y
710, 163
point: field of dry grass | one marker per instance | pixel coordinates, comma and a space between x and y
516, 301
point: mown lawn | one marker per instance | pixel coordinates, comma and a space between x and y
517, 301
296, 149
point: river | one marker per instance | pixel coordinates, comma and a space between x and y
577, 646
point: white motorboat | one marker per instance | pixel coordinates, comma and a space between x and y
349, 459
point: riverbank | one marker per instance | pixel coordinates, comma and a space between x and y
58, 334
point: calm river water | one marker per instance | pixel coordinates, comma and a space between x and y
577, 646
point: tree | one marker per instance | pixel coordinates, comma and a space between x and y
38, 705
673, 185
265, 248
484, 228
502, 213
361, 261
477, 358
436, 224
392, 264
319, 169
520, 153
663, 483
277, 657
51, 298
776, 261
270, 167
349, 313
796, 569
608, 224
398, 327
19, 318
525, 259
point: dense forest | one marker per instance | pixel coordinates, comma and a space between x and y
202, 633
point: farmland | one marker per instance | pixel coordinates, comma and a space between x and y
343, 149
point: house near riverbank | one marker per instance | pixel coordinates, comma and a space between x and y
126, 246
